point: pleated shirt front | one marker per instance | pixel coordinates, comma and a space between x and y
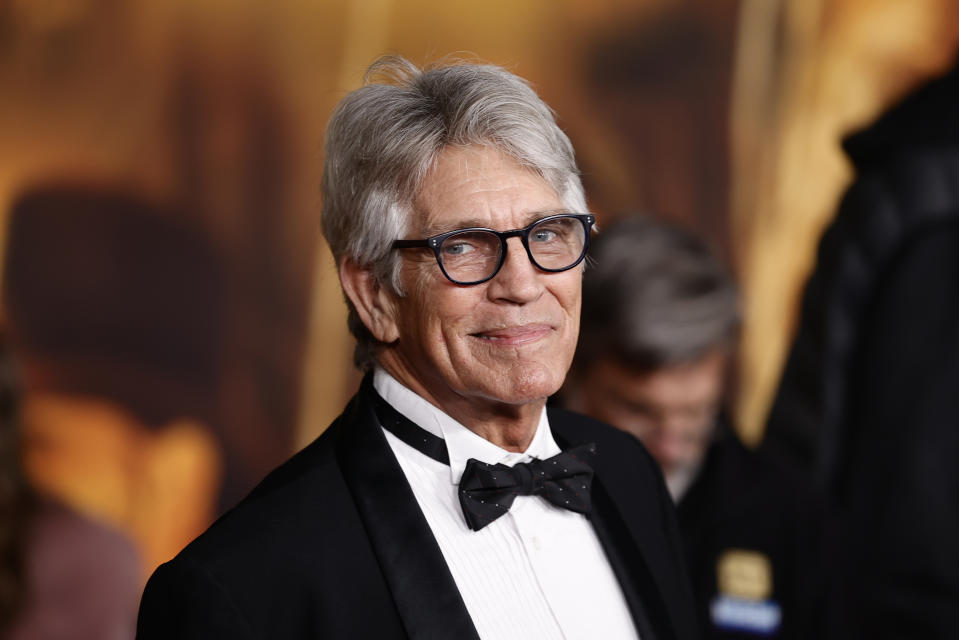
537, 572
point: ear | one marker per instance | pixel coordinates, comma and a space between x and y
375, 305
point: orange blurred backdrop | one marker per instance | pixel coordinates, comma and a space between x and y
724, 115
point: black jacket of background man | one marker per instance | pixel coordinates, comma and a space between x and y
741, 504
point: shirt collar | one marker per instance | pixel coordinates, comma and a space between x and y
461, 443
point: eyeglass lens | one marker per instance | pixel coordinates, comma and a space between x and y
554, 244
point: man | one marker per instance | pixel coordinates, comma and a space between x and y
659, 323
435, 506
867, 406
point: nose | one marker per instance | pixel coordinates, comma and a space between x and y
518, 281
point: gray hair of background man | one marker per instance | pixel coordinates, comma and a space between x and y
654, 296
384, 137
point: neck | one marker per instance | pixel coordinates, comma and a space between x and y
506, 430
508, 426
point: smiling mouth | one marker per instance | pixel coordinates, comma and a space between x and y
514, 336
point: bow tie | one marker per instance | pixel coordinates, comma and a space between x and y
487, 491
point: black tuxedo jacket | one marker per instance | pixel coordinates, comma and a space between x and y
332, 544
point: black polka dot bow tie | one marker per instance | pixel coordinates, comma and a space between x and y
486, 490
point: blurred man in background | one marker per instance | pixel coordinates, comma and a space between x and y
660, 319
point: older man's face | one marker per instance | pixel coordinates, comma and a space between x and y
509, 340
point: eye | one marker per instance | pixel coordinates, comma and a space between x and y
543, 235
457, 247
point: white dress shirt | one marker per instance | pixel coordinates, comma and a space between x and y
537, 572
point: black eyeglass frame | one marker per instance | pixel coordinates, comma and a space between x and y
436, 242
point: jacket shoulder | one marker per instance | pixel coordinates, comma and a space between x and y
291, 558
310, 477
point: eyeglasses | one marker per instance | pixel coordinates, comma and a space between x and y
475, 255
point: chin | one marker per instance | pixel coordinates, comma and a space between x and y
525, 384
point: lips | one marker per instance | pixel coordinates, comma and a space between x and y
514, 336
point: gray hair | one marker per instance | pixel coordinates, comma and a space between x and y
654, 296
384, 137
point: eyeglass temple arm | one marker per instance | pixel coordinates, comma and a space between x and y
410, 244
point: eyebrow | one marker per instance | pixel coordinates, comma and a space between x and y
468, 223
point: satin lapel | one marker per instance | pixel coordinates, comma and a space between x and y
624, 557
419, 579
626, 552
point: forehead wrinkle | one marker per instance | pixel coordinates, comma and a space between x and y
483, 223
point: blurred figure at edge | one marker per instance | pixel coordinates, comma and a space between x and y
113, 310
868, 408
61, 574
660, 320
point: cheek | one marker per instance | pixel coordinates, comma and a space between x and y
604, 408
439, 316
609, 414
640, 426
571, 291
422, 303
567, 293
